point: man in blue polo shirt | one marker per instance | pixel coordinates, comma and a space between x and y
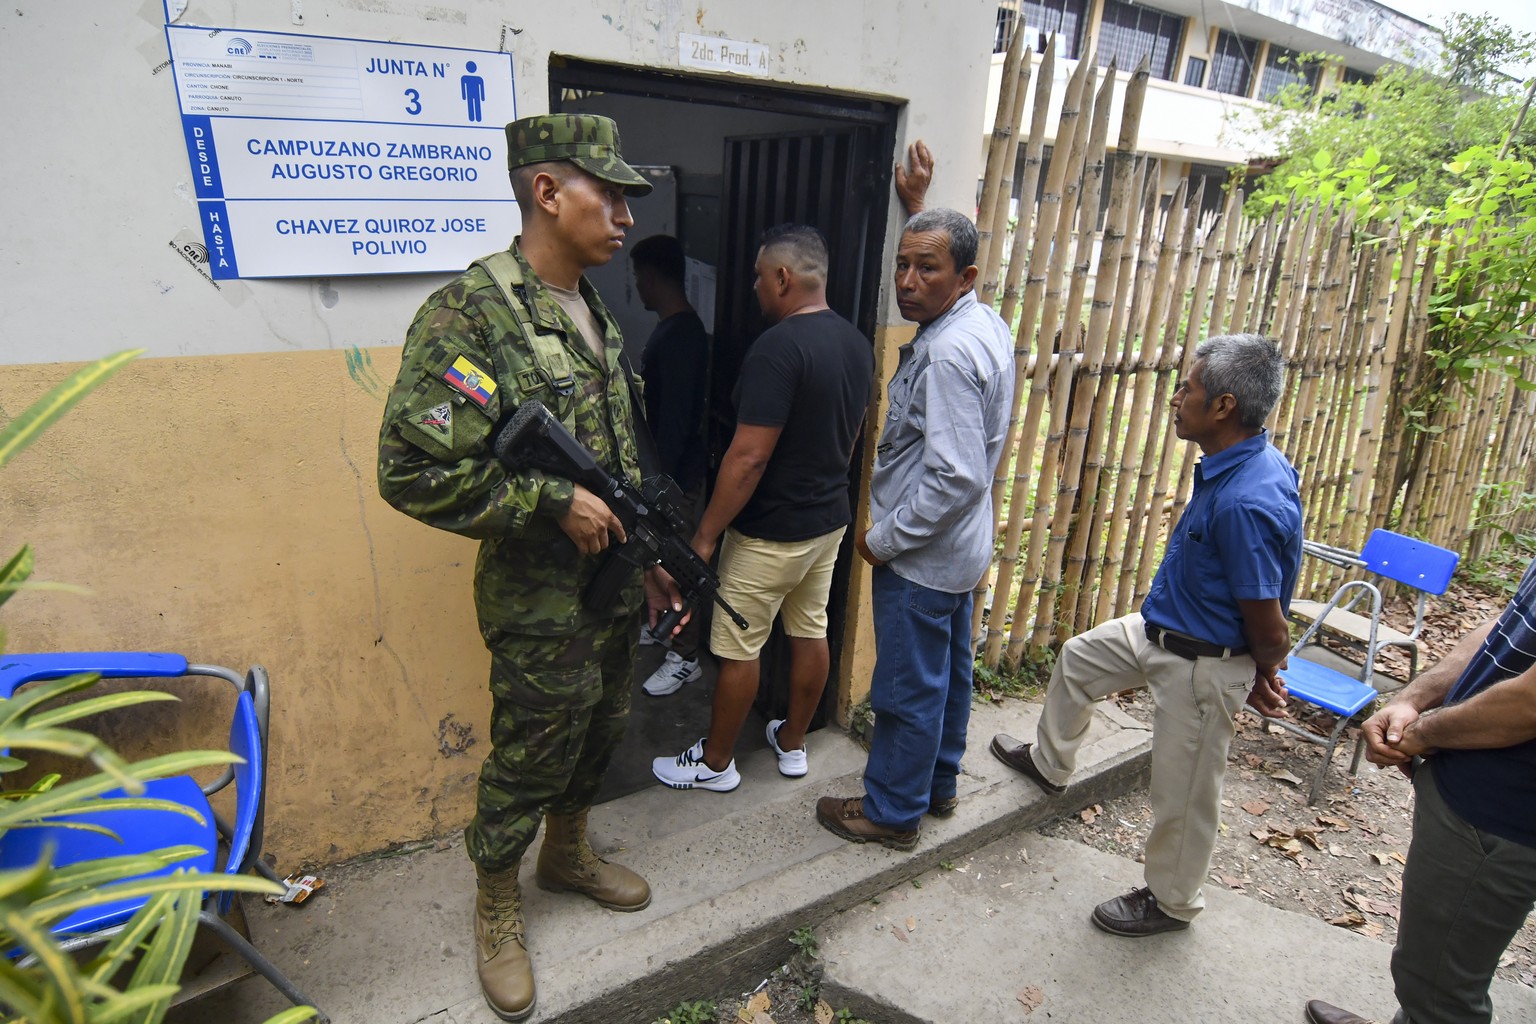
1469, 723
1211, 633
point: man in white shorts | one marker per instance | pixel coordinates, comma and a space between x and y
782, 490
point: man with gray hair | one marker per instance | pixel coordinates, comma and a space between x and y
930, 505
1211, 633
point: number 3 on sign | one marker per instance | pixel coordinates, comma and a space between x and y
414, 107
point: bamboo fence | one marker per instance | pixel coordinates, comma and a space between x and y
1108, 317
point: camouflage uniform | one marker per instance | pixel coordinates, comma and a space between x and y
560, 673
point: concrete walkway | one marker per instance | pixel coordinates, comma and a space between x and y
388, 941
1012, 920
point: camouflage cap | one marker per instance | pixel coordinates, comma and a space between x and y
589, 141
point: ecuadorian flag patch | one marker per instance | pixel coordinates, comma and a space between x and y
465, 376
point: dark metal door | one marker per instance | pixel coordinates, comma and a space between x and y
835, 179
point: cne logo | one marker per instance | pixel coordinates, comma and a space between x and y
196, 251
239, 47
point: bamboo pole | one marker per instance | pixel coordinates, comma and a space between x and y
1001, 147
1018, 256
1194, 322
1004, 199
1066, 331
1043, 253
1146, 414
1088, 545
1095, 343
1151, 488
1174, 369
1135, 377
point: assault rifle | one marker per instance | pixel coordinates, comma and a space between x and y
658, 532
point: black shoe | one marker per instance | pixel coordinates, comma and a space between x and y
943, 808
1015, 755
1319, 1012
1135, 914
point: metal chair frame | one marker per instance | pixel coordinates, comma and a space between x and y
1329, 689
248, 737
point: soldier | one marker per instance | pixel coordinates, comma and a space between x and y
518, 326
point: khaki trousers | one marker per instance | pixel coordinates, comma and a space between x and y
1192, 729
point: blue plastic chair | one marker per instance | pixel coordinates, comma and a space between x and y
1346, 696
1425, 567
145, 831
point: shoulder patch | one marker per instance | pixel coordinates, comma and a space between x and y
437, 420
464, 376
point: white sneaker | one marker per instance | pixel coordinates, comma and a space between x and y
670, 676
650, 638
688, 771
791, 762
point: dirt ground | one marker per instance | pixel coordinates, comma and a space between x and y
1340, 860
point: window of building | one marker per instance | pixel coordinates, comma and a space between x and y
1129, 32
1353, 77
1232, 64
1194, 72
1066, 18
1285, 67
1002, 35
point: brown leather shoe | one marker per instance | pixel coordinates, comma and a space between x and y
845, 818
506, 974
1319, 1012
1135, 914
943, 808
1015, 754
568, 864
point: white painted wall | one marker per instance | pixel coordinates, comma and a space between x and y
97, 184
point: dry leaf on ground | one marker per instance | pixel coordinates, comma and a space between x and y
824, 1012
1256, 808
758, 1003
1031, 997
1285, 776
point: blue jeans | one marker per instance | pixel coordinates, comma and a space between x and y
921, 696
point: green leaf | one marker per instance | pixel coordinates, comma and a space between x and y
15, 572
131, 1005
293, 1015
56, 965
19, 993
73, 797
97, 705
40, 415
38, 694
65, 904
103, 870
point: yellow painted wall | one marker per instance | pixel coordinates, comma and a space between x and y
225, 508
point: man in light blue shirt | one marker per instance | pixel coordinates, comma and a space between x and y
931, 535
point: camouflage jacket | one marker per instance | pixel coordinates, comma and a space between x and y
466, 364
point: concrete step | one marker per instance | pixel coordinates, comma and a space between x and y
1011, 920
389, 941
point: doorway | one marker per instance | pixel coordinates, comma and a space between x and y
735, 157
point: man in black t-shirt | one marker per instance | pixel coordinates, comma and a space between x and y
783, 491
674, 365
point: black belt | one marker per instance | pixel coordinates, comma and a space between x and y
1187, 646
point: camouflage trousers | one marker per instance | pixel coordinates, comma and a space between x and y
559, 707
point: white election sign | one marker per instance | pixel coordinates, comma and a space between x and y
320, 157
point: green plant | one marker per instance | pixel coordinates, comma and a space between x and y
701, 1012
805, 942
861, 722
847, 1016
1026, 682
46, 985
807, 996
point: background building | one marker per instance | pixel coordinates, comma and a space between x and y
1210, 58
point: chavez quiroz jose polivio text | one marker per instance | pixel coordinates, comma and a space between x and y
389, 227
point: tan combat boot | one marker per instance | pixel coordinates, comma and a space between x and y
567, 864
506, 974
